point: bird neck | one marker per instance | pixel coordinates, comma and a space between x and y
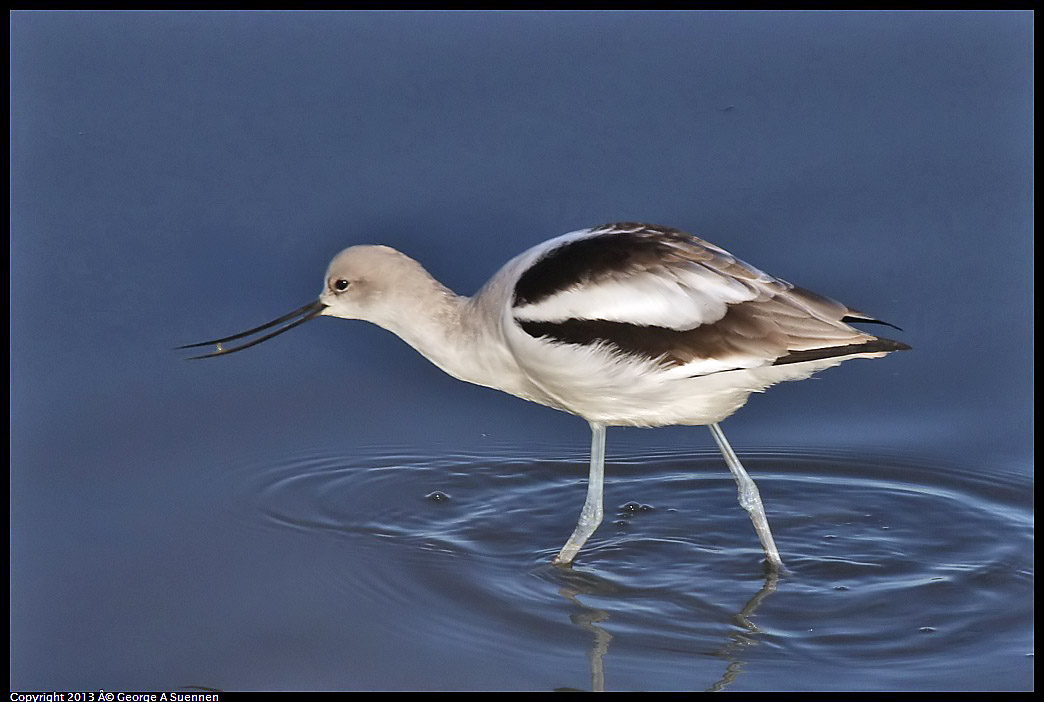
458, 334
421, 311
426, 315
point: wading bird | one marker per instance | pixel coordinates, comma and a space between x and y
624, 324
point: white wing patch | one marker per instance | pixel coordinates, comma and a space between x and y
677, 297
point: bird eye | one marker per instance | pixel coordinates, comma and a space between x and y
340, 285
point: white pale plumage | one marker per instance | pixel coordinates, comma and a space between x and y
682, 297
624, 324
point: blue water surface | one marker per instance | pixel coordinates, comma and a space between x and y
330, 511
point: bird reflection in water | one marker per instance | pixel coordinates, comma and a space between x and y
578, 583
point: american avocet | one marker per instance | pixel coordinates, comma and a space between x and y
625, 324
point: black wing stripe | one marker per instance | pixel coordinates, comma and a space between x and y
744, 331
736, 334
613, 249
875, 346
849, 319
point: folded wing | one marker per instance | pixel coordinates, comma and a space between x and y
663, 295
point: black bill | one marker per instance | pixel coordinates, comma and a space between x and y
291, 320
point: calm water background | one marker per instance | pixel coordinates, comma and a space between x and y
330, 511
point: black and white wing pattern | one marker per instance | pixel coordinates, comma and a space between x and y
665, 296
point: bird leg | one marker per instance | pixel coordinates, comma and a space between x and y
591, 514
749, 497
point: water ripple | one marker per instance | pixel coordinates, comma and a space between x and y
886, 556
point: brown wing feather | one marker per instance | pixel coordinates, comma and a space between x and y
781, 323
